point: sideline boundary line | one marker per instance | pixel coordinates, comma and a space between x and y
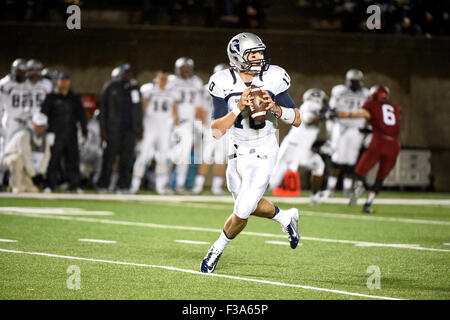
199, 198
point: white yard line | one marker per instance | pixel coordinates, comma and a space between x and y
258, 234
218, 275
223, 199
7, 240
191, 242
52, 210
281, 243
82, 212
97, 241
373, 218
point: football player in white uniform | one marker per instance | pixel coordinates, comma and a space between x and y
346, 138
16, 102
295, 150
189, 90
37, 85
15, 106
161, 115
213, 151
253, 146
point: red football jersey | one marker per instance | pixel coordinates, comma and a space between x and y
385, 119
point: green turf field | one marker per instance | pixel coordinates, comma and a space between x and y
400, 252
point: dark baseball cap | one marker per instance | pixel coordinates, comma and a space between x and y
63, 75
126, 67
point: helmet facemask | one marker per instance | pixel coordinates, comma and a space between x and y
258, 65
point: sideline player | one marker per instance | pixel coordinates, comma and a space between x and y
295, 149
384, 116
37, 85
213, 151
189, 91
253, 146
160, 107
15, 106
346, 138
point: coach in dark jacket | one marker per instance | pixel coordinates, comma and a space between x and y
64, 110
121, 125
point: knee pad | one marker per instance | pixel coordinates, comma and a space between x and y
318, 166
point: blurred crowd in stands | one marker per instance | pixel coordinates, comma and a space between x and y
401, 17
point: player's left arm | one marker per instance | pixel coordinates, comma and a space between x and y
200, 114
176, 118
283, 108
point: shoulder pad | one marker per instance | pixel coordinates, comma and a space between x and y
366, 92
220, 81
197, 80
277, 78
48, 85
338, 90
146, 88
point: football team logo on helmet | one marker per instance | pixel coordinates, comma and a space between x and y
235, 44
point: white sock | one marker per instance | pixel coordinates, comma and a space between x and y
199, 181
114, 179
331, 183
370, 197
181, 180
282, 217
347, 183
161, 182
135, 183
217, 182
222, 242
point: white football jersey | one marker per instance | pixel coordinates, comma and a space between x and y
159, 107
305, 135
15, 101
344, 99
189, 93
228, 85
38, 92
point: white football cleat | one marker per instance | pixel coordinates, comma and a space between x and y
217, 191
197, 190
292, 229
181, 190
357, 192
315, 199
209, 262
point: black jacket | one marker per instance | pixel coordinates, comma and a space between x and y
120, 108
63, 113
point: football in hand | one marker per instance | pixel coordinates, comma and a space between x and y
258, 109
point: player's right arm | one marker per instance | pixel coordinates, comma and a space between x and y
221, 124
145, 90
360, 113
